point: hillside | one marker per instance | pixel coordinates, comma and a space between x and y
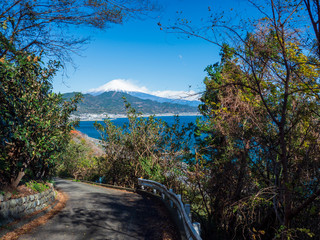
112, 103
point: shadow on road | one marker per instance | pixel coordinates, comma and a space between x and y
100, 213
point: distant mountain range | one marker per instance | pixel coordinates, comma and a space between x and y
108, 99
111, 102
141, 95
190, 97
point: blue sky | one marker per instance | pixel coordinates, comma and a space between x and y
138, 51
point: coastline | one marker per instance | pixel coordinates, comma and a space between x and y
87, 127
101, 117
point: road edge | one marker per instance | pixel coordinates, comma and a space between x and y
37, 219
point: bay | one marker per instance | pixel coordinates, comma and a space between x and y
87, 127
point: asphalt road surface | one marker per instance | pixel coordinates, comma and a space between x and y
100, 213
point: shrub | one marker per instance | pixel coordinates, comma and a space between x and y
37, 186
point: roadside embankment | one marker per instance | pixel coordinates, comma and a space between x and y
12, 209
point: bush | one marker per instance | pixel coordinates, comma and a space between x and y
37, 186
34, 121
145, 147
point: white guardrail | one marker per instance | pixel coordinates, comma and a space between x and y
192, 230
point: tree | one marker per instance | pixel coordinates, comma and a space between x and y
79, 159
34, 122
144, 147
37, 26
262, 105
313, 13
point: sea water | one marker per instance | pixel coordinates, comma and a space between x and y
87, 127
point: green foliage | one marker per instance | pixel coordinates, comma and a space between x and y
151, 170
145, 147
37, 186
79, 159
293, 233
257, 167
251, 151
34, 124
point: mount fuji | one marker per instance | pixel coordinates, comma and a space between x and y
189, 98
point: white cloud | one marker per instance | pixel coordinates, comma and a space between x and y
190, 95
125, 85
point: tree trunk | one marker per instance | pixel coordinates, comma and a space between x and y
241, 174
16, 182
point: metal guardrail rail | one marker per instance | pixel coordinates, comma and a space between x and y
192, 230
109, 186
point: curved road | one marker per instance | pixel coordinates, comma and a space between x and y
101, 213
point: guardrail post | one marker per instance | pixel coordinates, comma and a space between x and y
179, 196
171, 203
179, 213
187, 208
196, 227
192, 230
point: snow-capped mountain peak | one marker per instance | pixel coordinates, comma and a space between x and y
118, 85
123, 85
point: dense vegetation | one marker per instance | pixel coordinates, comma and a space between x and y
254, 170
258, 171
34, 121
145, 147
80, 159
34, 126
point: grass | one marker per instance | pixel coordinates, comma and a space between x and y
37, 186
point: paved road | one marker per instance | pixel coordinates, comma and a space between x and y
100, 213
